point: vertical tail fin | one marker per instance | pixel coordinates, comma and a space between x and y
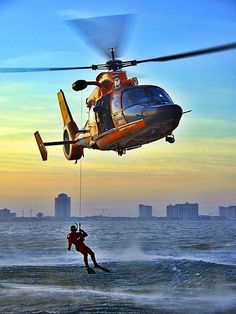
67, 118
65, 111
71, 131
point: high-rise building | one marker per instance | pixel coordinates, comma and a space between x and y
62, 206
6, 215
227, 212
186, 210
145, 211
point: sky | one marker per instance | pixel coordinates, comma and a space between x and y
201, 165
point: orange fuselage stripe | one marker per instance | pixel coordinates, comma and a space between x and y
119, 133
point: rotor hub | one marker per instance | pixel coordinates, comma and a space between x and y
114, 65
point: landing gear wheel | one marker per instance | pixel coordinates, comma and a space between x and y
170, 138
121, 151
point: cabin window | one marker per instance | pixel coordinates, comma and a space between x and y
116, 106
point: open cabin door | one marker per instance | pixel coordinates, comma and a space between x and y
103, 114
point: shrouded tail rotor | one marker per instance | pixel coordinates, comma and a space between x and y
72, 151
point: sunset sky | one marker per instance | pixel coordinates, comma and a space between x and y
199, 167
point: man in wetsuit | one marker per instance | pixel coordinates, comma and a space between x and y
77, 238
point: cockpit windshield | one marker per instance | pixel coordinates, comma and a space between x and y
134, 96
145, 96
159, 94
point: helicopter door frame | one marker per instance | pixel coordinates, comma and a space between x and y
117, 110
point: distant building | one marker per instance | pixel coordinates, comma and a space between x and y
6, 215
62, 206
227, 212
186, 210
145, 211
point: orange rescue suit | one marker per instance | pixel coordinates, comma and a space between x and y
77, 238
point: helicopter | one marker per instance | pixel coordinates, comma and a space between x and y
123, 114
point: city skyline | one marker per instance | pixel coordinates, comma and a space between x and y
64, 210
199, 166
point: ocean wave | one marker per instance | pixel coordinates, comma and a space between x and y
55, 299
129, 256
137, 254
199, 246
191, 273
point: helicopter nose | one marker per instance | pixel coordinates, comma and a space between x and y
154, 115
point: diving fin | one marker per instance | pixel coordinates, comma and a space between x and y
90, 270
103, 268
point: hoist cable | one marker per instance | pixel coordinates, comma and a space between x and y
80, 170
80, 188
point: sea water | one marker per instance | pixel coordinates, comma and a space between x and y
156, 266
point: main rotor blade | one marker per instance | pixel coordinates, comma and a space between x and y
15, 70
104, 32
190, 53
127, 63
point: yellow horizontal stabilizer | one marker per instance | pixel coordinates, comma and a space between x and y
41, 146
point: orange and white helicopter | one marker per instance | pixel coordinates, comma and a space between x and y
123, 115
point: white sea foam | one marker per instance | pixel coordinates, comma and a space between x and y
133, 253
220, 300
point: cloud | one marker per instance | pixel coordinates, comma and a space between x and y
72, 14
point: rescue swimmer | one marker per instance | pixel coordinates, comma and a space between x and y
77, 239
